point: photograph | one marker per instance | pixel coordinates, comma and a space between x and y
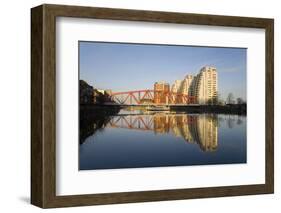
155, 105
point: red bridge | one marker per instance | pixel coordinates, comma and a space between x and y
152, 97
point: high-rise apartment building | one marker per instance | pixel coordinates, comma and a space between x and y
176, 87
160, 92
206, 86
187, 83
202, 86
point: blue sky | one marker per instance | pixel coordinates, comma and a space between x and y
124, 67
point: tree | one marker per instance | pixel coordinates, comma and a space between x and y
230, 98
210, 102
240, 101
220, 101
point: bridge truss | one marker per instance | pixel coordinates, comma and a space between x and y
146, 97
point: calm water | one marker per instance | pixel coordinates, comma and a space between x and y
133, 139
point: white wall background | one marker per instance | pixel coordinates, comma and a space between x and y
15, 105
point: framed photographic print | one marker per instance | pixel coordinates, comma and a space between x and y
136, 106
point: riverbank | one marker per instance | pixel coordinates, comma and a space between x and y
103, 111
239, 109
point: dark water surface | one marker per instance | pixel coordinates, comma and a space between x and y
138, 139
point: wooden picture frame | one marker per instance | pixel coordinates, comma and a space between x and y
43, 105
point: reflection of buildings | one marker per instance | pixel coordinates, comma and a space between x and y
161, 123
200, 129
180, 127
205, 130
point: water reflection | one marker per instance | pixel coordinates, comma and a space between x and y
92, 121
202, 130
135, 139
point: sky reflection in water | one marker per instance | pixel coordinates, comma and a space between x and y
134, 140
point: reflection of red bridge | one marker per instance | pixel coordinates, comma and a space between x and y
148, 122
139, 122
150, 97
